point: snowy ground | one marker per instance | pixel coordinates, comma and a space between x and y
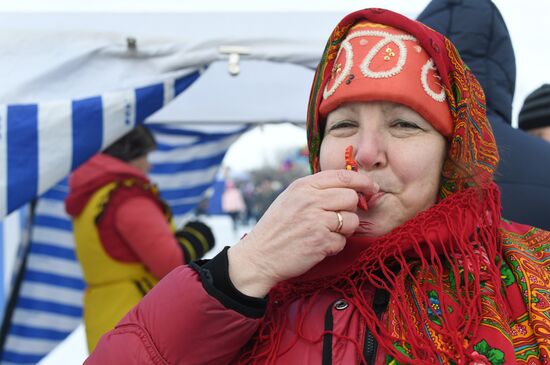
73, 350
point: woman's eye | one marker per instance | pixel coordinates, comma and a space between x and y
341, 125
406, 125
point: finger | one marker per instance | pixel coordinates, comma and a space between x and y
344, 179
335, 243
349, 222
334, 199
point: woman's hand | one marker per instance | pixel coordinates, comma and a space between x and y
298, 230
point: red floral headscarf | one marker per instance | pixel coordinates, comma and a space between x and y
473, 155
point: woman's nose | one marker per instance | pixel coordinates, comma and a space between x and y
371, 150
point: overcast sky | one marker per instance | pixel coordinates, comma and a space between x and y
209, 5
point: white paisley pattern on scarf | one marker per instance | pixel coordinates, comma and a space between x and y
399, 41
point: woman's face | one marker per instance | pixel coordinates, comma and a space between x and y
395, 147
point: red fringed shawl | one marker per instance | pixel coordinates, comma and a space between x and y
443, 269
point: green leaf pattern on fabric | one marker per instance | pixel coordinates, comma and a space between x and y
507, 275
492, 356
402, 349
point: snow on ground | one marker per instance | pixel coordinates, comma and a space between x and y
223, 232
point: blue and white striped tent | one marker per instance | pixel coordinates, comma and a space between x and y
42, 143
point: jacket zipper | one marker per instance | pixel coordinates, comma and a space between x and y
370, 346
327, 337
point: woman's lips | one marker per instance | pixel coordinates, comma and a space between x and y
375, 198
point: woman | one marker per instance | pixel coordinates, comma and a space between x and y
233, 202
125, 240
422, 272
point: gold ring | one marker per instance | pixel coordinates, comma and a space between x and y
340, 222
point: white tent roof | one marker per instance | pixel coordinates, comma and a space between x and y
80, 55
263, 92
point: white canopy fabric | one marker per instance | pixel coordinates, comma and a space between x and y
58, 56
263, 92
48, 66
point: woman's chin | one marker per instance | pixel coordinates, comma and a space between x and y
369, 229
365, 234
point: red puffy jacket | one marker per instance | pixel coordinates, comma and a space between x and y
179, 322
186, 319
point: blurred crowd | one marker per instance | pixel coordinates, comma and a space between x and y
246, 195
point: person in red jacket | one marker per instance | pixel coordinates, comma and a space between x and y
124, 236
392, 252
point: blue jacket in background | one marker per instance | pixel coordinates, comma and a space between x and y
477, 29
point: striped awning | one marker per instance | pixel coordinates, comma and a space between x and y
42, 143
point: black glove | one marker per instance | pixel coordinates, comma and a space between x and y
195, 239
